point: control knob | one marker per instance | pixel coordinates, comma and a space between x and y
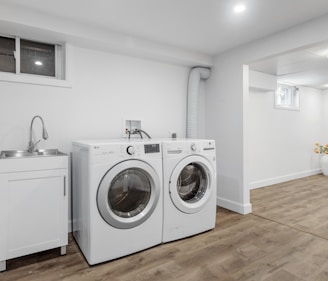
130, 150
193, 147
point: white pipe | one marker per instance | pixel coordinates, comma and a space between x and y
195, 75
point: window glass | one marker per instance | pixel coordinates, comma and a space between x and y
7, 58
37, 58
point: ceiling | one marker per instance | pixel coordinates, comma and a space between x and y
206, 26
306, 67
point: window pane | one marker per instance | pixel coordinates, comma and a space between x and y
287, 97
37, 58
7, 59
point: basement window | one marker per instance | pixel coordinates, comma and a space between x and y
287, 97
32, 62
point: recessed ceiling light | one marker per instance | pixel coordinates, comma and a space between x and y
38, 62
239, 8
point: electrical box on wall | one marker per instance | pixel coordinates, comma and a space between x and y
131, 126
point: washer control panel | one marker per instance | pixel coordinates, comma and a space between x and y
152, 148
136, 150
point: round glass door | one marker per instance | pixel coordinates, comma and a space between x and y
190, 184
128, 194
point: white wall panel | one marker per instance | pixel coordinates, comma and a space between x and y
105, 89
227, 103
281, 142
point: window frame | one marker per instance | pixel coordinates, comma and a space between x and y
61, 66
295, 101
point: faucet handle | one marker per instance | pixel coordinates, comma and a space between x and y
32, 145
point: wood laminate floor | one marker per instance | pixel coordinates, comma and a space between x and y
285, 238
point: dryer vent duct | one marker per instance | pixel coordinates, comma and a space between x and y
196, 74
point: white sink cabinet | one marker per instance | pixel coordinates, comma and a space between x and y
33, 206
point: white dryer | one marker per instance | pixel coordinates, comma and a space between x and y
189, 185
117, 197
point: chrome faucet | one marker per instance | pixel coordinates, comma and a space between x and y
31, 144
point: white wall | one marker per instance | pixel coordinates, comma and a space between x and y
227, 107
281, 142
324, 128
105, 89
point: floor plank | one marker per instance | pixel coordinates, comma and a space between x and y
286, 238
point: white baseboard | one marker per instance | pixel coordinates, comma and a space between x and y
280, 179
234, 206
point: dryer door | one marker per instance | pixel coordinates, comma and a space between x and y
191, 184
128, 194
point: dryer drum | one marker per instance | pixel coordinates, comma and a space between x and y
192, 183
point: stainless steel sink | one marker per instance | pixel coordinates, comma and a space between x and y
25, 153
49, 152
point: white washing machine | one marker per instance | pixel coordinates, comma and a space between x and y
117, 197
189, 186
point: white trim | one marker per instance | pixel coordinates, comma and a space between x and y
66, 61
17, 54
58, 62
34, 79
243, 209
287, 108
280, 179
246, 207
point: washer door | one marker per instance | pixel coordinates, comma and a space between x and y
190, 184
128, 194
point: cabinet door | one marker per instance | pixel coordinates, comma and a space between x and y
3, 216
36, 211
